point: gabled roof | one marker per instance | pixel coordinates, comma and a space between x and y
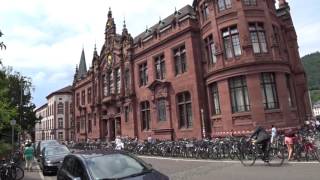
186, 10
65, 90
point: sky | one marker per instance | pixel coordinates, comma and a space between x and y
44, 38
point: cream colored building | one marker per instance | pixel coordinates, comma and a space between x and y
56, 122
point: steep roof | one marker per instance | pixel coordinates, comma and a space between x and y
65, 90
41, 107
186, 10
82, 66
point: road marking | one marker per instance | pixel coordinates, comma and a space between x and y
40, 172
216, 161
189, 160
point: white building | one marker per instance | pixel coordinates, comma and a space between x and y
56, 122
316, 109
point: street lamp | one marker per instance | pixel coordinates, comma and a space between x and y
13, 123
20, 110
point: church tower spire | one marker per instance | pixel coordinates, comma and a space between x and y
110, 25
124, 29
82, 66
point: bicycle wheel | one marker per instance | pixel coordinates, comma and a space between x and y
276, 157
247, 157
17, 173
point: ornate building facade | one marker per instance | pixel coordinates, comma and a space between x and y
208, 69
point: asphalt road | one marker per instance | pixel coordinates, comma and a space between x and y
185, 169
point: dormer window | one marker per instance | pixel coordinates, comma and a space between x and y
224, 5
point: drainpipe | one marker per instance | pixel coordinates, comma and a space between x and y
203, 124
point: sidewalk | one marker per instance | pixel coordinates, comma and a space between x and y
34, 174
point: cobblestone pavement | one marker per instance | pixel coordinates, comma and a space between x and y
186, 169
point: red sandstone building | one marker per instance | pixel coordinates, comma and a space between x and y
208, 69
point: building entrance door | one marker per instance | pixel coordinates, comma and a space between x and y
112, 130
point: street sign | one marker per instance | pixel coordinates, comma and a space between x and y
13, 122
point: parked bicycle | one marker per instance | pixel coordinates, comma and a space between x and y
9, 170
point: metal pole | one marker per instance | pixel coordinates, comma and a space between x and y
12, 138
20, 119
203, 124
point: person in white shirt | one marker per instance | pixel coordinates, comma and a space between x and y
318, 125
119, 143
273, 133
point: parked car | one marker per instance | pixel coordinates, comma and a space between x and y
102, 164
43, 144
52, 158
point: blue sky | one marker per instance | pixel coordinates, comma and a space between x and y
45, 37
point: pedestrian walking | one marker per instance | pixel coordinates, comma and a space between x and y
273, 133
28, 156
289, 141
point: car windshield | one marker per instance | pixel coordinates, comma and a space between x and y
114, 166
56, 150
47, 143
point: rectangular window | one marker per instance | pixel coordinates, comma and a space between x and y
89, 95
145, 115
117, 76
224, 4
250, 2
108, 84
60, 108
127, 80
185, 110
239, 94
77, 100
269, 91
160, 67
89, 126
60, 136
60, 123
289, 89
83, 98
210, 49
82, 119
180, 60
231, 42
143, 74
161, 108
95, 119
258, 38
126, 113
204, 11
276, 35
215, 101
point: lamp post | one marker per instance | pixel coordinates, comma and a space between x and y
20, 109
12, 123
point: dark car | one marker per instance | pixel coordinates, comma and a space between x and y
52, 158
101, 164
43, 144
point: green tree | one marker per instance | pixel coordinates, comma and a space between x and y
15, 100
311, 64
2, 45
